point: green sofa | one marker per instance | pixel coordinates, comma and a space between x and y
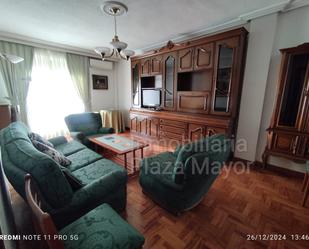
103, 181
84, 125
179, 180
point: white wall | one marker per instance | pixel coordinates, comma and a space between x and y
103, 99
123, 78
260, 44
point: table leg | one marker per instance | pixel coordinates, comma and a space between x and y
125, 160
134, 162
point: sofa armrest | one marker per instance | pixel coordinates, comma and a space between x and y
106, 130
58, 140
77, 135
95, 191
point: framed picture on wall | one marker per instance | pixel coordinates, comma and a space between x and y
100, 82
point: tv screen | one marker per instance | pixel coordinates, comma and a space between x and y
151, 97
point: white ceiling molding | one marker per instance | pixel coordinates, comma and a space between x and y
46, 45
237, 22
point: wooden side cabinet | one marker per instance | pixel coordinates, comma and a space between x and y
288, 134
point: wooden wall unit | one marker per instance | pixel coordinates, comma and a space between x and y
200, 90
288, 134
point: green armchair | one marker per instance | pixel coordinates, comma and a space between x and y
83, 125
179, 180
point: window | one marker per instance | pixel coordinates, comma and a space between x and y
52, 94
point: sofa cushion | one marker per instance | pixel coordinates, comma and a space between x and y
36, 137
102, 228
96, 170
50, 151
82, 158
70, 147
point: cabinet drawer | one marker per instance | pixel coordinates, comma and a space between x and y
173, 123
170, 135
172, 129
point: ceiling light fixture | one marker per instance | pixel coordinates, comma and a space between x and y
119, 48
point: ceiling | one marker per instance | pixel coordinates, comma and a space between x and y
81, 24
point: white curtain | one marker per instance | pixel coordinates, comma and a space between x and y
17, 76
79, 69
52, 94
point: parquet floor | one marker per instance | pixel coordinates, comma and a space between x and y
255, 202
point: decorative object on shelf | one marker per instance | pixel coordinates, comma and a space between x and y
288, 134
99, 82
119, 48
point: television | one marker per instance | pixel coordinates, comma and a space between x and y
151, 97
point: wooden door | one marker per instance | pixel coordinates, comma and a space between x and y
156, 65
203, 56
145, 67
136, 84
143, 125
169, 81
134, 123
185, 60
196, 131
225, 81
153, 127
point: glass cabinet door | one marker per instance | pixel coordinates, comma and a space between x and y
294, 87
223, 78
135, 85
169, 78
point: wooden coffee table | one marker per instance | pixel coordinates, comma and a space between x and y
120, 146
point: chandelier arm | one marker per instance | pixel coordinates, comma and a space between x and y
123, 57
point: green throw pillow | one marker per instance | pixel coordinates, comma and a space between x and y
34, 136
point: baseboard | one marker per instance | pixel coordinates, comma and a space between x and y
282, 171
